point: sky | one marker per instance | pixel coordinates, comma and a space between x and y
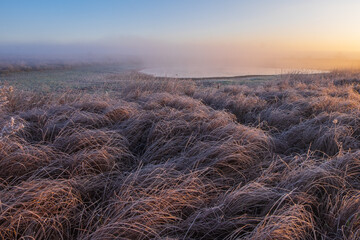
318, 33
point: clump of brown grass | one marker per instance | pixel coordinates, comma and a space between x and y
168, 159
4, 95
39, 210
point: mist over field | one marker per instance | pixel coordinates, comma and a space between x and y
167, 55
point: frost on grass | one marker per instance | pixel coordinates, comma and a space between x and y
14, 124
4, 94
172, 160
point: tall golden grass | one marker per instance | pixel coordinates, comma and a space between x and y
170, 159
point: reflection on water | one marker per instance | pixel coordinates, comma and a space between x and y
205, 72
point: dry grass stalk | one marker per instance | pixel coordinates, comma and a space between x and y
173, 160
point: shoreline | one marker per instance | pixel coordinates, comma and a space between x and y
157, 74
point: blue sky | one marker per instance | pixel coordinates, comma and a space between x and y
91, 20
95, 20
262, 26
71, 21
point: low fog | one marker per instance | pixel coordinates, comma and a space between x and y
150, 53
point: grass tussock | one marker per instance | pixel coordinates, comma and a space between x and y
173, 159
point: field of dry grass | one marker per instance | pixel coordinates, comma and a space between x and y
169, 159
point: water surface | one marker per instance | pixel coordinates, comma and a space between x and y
211, 72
